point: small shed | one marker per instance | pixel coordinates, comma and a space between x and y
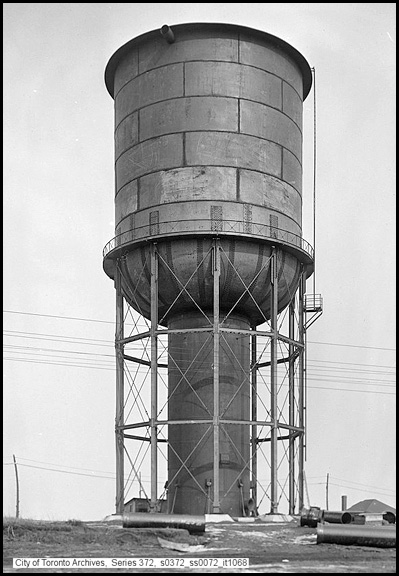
142, 505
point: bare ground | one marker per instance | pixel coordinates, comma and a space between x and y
278, 548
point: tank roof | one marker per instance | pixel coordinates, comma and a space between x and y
296, 56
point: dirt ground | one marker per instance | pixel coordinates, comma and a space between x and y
270, 547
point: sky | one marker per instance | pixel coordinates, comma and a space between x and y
59, 306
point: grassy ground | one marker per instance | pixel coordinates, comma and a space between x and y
274, 548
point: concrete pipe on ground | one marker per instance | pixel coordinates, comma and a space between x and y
349, 535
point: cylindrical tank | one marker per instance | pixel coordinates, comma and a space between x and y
191, 398
208, 143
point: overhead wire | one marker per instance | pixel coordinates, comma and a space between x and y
144, 325
72, 468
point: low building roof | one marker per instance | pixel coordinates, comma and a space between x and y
371, 506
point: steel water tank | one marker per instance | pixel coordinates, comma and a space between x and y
208, 144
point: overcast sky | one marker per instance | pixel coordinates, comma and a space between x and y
59, 305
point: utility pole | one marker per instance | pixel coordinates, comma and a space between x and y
327, 491
17, 481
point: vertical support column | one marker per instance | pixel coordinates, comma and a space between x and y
291, 409
254, 417
119, 411
301, 369
154, 378
216, 350
273, 380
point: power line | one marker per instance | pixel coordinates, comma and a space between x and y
90, 342
63, 466
346, 369
359, 483
41, 352
80, 473
66, 471
59, 364
52, 356
112, 369
59, 317
310, 364
348, 380
66, 341
352, 346
58, 350
71, 467
351, 390
109, 322
352, 363
112, 473
359, 489
53, 335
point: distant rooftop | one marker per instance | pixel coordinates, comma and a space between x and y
371, 506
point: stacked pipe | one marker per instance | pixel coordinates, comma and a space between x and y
343, 528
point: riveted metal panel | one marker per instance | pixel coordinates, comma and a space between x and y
187, 184
154, 86
270, 192
247, 218
154, 222
195, 217
190, 45
270, 58
268, 123
273, 219
126, 134
247, 257
292, 104
127, 201
128, 224
150, 156
128, 68
235, 80
216, 218
187, 114
292, 170
214, 148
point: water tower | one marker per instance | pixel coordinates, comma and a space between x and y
208, 253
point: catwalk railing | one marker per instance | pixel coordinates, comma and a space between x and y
209, 227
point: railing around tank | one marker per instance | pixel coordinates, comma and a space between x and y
177, 227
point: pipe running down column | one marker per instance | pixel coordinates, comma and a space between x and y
254, 416
154, 378
216, 350
291, 408
119, 399
301, 392
273, 382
